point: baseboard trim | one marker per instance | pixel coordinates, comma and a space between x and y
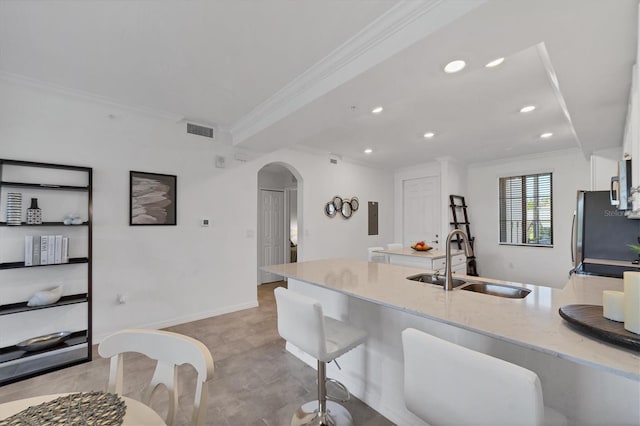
183, 319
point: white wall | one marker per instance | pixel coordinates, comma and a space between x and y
536, 265
320, 236
178, 273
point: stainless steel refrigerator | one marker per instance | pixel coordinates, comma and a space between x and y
601, 236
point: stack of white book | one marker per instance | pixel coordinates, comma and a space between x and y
45, 250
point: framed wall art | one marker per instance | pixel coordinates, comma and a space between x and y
152, 199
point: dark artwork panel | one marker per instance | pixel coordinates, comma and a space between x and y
153, 199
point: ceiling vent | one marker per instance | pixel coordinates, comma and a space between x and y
195, 129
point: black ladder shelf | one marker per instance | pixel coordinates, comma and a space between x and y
458, 206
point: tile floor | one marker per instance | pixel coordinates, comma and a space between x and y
256, 381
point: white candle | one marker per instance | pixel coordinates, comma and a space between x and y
613, 305
632, 302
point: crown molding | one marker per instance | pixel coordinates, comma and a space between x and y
86, 96
398, 28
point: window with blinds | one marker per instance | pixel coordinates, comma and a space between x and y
526, 214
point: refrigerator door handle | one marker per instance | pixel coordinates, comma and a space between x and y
573, 238
573, 244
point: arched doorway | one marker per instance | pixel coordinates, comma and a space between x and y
279, 218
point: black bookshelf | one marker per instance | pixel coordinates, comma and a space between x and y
43, 186
12, 353
43, 224
15, 265
16, 363
14, 308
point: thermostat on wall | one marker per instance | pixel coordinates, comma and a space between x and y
204, 222
221, 161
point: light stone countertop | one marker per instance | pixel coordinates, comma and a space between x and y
532, 322
431, 254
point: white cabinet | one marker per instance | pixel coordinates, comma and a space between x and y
435, 261
634, 124
458, 264
631, 143
631, 146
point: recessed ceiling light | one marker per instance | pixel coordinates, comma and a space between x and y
527, 108
377, 110
454, 66
546, 135
368, 151
429, 135
495, 63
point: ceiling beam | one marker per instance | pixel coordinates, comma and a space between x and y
398, 28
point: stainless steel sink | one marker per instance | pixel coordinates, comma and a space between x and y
497, 290
435, 279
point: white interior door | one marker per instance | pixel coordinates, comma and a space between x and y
271, 232
421, 211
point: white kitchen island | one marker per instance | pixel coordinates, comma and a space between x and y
590, 381
433, 259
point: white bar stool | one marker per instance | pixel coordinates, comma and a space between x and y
394, 246
301, 322
448, 384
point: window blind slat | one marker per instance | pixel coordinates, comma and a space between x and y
526, 214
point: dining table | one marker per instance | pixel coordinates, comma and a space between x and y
137, 413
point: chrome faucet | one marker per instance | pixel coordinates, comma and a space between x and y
468, 251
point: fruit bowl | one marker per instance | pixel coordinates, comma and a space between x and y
421, 248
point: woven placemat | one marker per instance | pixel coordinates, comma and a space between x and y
90, 408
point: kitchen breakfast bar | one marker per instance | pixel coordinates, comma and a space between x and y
588, 380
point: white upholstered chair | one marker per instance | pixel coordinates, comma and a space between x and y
447, 384
302, 323
372, 256
170, 350
394, 246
